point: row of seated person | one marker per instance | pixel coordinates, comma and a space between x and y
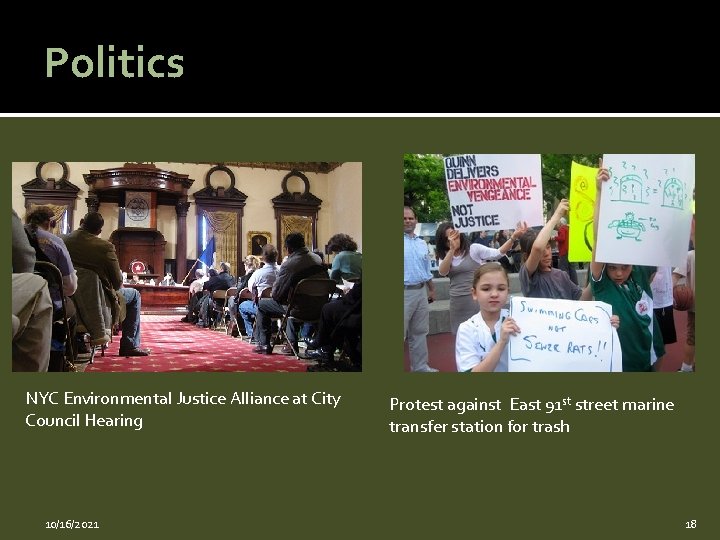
334, 321
94, 314
83, 322
330, 324
92, 310
339, 328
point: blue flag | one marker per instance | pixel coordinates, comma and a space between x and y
207, 255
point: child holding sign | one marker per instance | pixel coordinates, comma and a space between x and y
481, 343
627, 289
538, 278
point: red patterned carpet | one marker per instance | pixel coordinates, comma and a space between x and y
183, 347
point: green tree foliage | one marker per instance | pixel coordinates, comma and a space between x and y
424, 186
556, 175
425, 191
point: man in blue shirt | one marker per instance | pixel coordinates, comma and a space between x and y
417, 276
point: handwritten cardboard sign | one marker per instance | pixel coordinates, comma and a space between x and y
563, 335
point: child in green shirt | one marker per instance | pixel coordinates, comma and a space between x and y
627, 289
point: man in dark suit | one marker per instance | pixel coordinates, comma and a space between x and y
300, 264
89, 251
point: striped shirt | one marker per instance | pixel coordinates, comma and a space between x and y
417, 260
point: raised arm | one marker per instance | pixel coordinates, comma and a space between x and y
453, 241
515, 236
543, 237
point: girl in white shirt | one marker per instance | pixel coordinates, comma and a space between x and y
482, 340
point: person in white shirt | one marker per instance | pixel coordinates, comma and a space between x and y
481, 343
260, 280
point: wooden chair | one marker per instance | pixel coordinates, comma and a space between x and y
229, 293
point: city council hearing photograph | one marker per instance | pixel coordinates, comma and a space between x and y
186, 266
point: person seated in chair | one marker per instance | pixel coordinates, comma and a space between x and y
260, 280
340, 323
251, 263
221, 282
89, 251
300, 264
32, 308
195, 295
347, 263
51, 249
39, 221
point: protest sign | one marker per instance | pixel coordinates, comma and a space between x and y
582, 204
494, 191
563, 335
645, 209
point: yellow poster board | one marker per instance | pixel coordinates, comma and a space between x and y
582, 202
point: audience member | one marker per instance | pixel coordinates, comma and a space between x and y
87, 250
39, 221
340, 321
23, 254
300, 264
51, 249
251, 264
221, 281
260, 280
32, 307
347, 263
194, 296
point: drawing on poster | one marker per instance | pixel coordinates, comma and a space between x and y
674, 193
645, 208
628, 227
582, 205
632, 188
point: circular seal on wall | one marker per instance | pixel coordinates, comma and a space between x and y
138, 267
137, 209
